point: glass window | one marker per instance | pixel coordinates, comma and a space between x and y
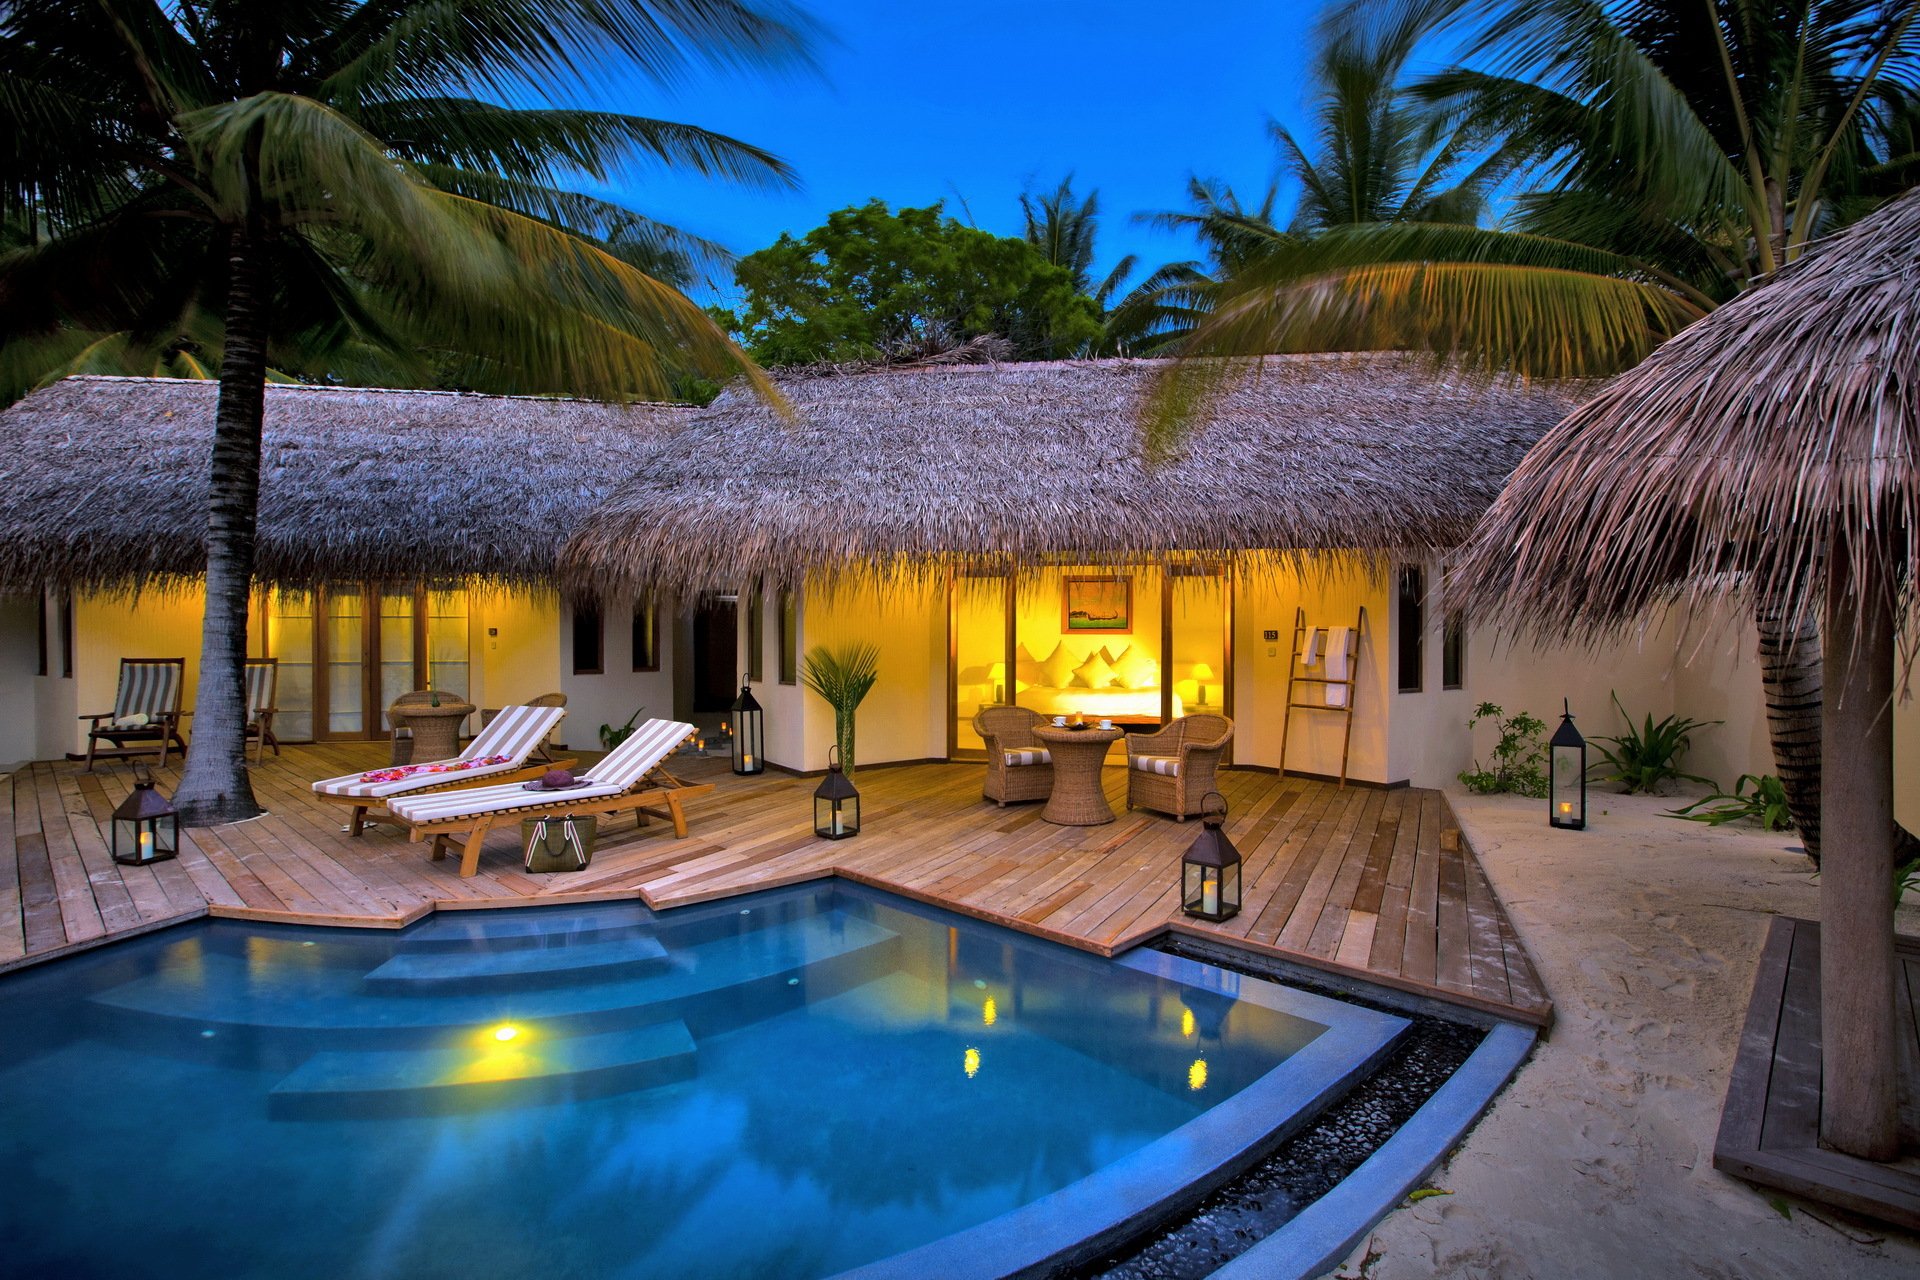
756, 637
646, 638
1453, 652
589, 641
449, 660
1412, 607
789, 639
977, 627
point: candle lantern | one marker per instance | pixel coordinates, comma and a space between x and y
1567, 775
748, 741
836, 804
1210, 871
145, 827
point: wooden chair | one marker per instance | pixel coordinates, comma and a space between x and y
631, 778
146, 708
263, 690
1171, 771
1019, 767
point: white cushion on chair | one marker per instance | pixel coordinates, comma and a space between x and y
1169, 765
1028, 755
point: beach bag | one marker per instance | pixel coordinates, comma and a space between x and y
558, 844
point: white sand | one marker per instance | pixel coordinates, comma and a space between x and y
1598, 1158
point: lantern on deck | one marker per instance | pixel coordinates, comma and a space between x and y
748, 738
1210, 871
1567, 775
145, 827
836, 804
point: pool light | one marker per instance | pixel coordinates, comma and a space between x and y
505, 1031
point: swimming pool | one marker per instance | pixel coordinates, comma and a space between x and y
792, 1084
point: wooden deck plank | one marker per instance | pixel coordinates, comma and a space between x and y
1351, 880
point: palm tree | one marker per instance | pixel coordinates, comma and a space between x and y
1678, 153
1157, 314
328, 177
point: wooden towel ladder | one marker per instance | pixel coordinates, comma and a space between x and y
1297, 674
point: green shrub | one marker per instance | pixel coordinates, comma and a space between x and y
611, 737
1766, 805
1519, 755
1646, 758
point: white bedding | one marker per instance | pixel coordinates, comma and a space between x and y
1133, 704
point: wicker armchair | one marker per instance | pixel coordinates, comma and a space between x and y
1171, 771
544, 751
1018, 766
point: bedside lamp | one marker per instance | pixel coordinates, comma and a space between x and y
1201, 674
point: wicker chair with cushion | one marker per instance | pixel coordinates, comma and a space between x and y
1171, 771
1019, 767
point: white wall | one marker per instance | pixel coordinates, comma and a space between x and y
612, 696
19, 666
905, 716
1265, 597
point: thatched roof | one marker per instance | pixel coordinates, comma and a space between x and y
1036, 462
105, 481
1727, 457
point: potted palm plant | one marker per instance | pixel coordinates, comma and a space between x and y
842, 677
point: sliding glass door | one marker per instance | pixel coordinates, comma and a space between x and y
371, 644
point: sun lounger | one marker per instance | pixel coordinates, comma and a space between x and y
499, 754
630, 779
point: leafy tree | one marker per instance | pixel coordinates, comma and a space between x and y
874, 284
1674, 153
326, 182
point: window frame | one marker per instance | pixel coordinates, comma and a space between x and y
648, 616
599, 633
1453, 651
788, 627
1410, 617
756, 623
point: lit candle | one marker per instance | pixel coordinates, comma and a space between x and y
146, 846
747, 762
1210, 895
1566, 808
838, 826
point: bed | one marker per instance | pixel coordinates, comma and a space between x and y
1113, 704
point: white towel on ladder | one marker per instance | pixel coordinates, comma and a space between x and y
1337, 668
1311, 654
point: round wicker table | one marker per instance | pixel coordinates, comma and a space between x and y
1078, 799
436, 730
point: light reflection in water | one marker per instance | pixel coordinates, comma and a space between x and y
989, 1012
1197, 1074
971, 1062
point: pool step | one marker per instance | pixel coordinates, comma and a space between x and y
527, 1068
713, 986
528, 927
436, 971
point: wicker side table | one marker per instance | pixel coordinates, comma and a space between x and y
436, 730
1078, 799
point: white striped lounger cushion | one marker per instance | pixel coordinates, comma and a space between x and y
514, 733
1169, 765
1029, 755
147, 688
615, 775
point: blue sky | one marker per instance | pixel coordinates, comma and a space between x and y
923, 102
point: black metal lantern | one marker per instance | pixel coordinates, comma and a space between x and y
1210, 871
1567, 775
748, 736
836, 804
145, 827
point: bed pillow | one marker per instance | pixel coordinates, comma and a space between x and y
1136, 670
1056, 671
1095, 673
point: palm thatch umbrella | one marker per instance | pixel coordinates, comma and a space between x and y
1772, 449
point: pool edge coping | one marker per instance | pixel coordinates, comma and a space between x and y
1316, 1239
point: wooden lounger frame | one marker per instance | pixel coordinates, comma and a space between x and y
469, 833
364, 805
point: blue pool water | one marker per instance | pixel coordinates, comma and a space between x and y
791, 1084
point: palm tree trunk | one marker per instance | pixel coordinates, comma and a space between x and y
214, 787
1858, 1110
1790, 670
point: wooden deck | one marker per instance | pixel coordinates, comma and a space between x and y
1357, 881
1770, 1126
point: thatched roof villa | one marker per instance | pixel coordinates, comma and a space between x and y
992, 528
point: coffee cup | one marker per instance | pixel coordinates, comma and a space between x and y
1106, 724
1060, 722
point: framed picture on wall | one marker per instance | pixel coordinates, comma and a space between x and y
1097, 606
